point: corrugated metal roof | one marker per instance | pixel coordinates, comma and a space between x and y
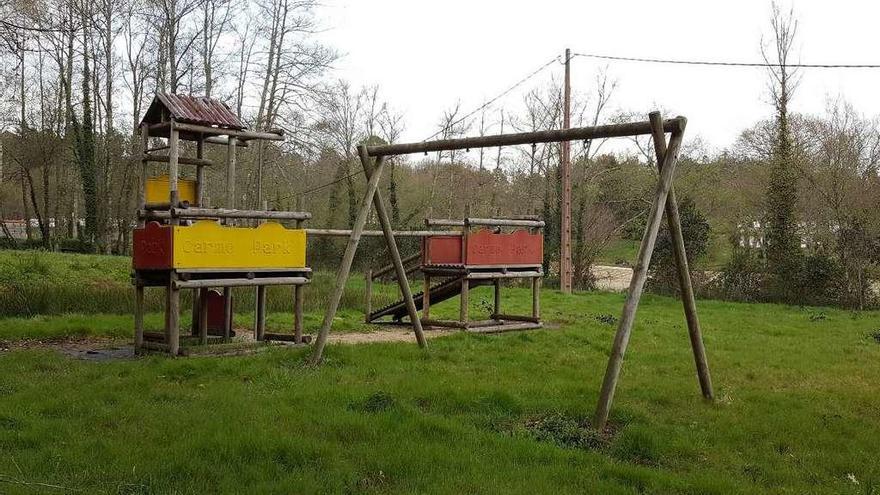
192, 109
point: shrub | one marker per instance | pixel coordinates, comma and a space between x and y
695, 230
820, 280
742, 278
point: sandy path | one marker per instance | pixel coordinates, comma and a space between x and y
385, 335
612, 278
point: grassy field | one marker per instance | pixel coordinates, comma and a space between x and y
625, 251
797, 409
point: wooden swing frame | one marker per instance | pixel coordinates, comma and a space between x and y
373, 162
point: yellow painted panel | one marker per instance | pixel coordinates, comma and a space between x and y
156, 191
207, 244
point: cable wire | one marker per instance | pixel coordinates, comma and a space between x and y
496, 98
485, 105
725, 63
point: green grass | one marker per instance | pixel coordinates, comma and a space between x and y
625, 251
797, 411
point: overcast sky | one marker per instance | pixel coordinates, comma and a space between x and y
426, 55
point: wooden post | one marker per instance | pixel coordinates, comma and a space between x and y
260, 313
172, 331
463, 310
637, 284
347, 259
684, 276
565, 270
196, 311
203, 316
297, 313
173, 155
497, 284
388, 231
368, 295
230, 173
138, 316
198, 296
536, 297
227, 313
426, 298
145, 140
200, 174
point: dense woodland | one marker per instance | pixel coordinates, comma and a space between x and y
792, 203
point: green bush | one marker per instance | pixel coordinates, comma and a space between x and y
695, 230
742, 278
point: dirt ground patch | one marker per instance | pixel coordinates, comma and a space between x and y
104, 349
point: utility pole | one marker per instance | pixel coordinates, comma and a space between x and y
565, 269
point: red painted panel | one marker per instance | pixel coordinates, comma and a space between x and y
517, 248
441, 250
152, 246
216, 312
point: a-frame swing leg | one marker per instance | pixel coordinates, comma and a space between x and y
402, 280
684, 276
345, 266
637, 284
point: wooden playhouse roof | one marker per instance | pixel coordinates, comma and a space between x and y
198, 110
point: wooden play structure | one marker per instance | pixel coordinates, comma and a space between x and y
373, 163
476, 256
182, 243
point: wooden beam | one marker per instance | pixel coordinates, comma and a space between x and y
232, 213
426, 298
138, 317
172, 330
200, 174
558, 135
502, 317
230, 173
368, 295
463, 308
183, 160
239, 282
443, 323
503, 222
241, 134
637, 284
385, 270
298, 314
142, 200
379, 233
227, 313
203, 316
684, 275
506, 327
491, 275
260, 313
536, 298
173, 158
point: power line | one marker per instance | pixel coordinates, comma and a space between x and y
725, 63
496, 98
441, 131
